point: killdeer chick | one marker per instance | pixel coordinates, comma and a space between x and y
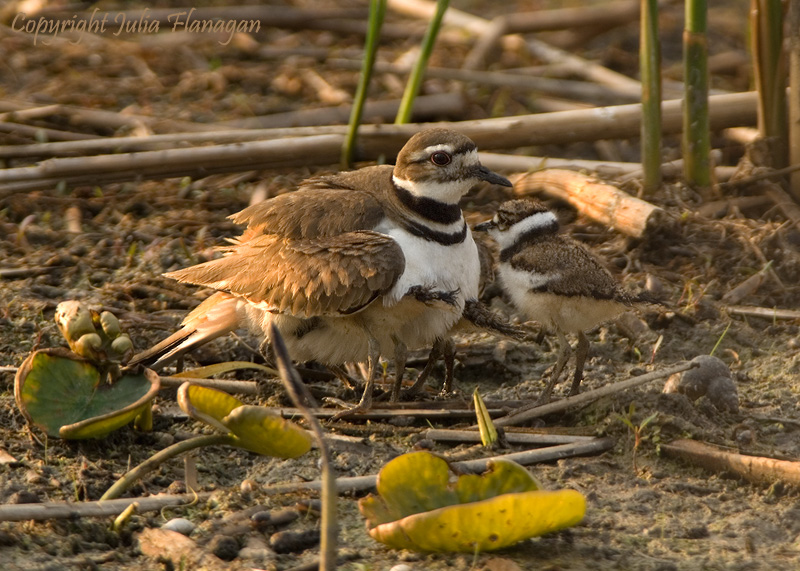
351, 265
555, 280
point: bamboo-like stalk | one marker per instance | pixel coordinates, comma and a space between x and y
418, 73
621, 121
696, 130
794, 95
650, 69
377, 11
769, 67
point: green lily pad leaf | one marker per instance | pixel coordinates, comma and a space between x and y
65, 395
218, 368
255, 428
261, 430
472, 512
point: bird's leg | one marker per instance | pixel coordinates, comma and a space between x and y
400, 356
373, 359
341, 373
581, 352
448, 351
414, 389
564, 351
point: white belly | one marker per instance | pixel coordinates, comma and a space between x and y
439, 266
446, 268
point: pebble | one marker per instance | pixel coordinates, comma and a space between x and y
293, 541
179, 524
401, 567
248, 486
264, 519
177, 487
24, 497
711, 378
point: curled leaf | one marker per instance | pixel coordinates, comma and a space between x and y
255, 428
261, 430
421, 506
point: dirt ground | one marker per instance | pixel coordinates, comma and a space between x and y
645, 512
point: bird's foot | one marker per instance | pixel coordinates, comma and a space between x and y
428, 295
363, 406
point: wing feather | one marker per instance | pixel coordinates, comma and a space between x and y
568, 268
306, 277
326, 206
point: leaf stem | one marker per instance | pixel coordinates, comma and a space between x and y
129, 478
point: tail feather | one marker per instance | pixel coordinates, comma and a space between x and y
215, 317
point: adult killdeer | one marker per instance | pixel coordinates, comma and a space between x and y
349, 266
555, 280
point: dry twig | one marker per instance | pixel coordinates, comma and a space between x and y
525, 414
70, 510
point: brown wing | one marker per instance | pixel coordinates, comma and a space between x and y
307, 277
322, 206
568, 268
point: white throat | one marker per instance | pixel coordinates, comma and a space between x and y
539, 223
446, 192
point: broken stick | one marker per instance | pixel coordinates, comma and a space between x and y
599, 201
756, 469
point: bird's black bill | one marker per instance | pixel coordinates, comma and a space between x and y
485, 174
484, 226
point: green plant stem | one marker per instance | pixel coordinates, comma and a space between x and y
696, 130
650, 70
794, 95
300, 395
377, 11
417, 74
769, 68
129, 478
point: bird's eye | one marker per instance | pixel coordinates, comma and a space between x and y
440, 158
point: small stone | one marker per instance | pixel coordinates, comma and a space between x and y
723, 394
34, 478
248, 486
24, 497
293, 541
179, 524
401, 567
264, 519
711, 378
224, 547
177, 487
162, 439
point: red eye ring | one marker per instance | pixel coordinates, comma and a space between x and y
441, 158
